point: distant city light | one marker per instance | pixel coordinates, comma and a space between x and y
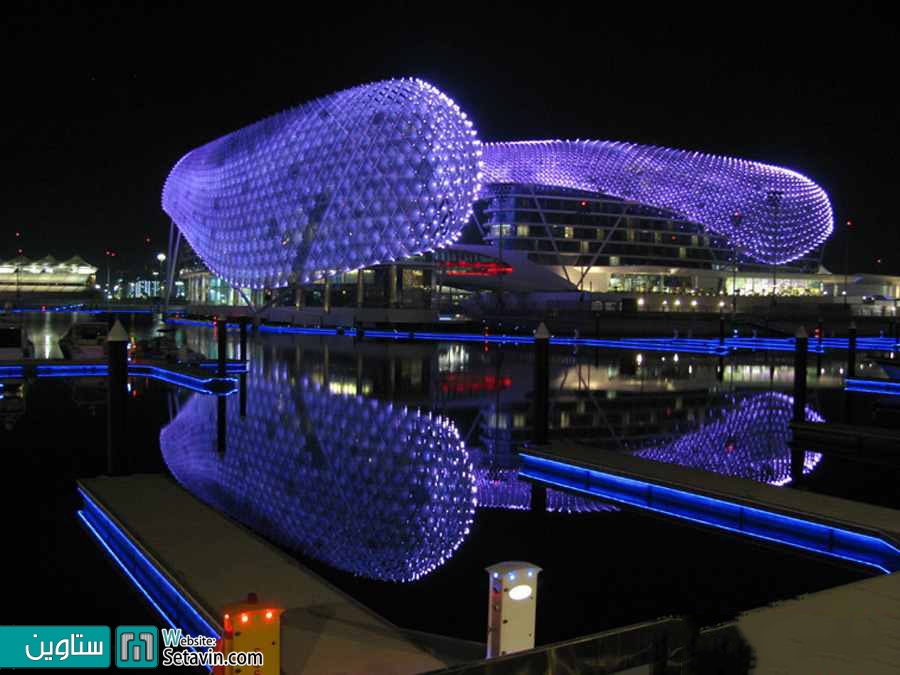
161, 257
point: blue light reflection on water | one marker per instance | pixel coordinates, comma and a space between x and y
372, 488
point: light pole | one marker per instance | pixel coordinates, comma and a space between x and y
161, 257
734, 282
847, 259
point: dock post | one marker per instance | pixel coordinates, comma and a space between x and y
801, 348
221, 424
244, 339
538, 497
222, 335
116, 396
541, 383
851, 351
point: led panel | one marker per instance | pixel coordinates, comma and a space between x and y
364, 176
773, 214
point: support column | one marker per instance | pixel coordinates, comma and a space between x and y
801, 350
222, 352
392, 286
360, 289
541, 384
851, 351
116, 396
326, 303
299, 298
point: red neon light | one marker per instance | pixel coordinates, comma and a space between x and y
462, 383
466, 268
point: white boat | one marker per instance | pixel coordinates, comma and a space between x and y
14, 343
85, 340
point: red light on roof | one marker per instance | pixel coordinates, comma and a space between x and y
244, 618
268, 614
227, 616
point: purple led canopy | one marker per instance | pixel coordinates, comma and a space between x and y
774, 215
364, 176
748, 440
368, 487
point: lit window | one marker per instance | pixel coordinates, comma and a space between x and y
521, 230
568, 232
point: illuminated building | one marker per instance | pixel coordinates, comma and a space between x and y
363, 176
47, 276
381, 195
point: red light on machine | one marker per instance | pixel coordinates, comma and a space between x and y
466, 268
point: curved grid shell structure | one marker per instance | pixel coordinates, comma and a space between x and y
773, 215
749, 440
363, 176
368, 487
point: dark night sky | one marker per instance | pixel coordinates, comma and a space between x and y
101, 101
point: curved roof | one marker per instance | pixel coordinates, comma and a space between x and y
772, 214
366, 175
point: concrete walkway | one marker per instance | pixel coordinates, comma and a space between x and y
851, 629
217, 562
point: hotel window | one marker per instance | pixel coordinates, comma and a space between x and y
613, 260
584, 247
521, 230
569, 232
682, 252
502, 230
601, 233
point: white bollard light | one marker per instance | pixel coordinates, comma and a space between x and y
512, 604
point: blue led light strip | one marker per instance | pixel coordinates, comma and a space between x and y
112, 537
203, 385
708, 346
884, 387
714, 512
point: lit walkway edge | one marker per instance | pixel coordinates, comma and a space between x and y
211, 561
829, 526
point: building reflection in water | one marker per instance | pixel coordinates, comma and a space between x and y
749, 439
333, 461
372, 488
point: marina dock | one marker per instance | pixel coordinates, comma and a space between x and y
839, 528
211, 562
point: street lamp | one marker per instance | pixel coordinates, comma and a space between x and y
161, 257
847, 259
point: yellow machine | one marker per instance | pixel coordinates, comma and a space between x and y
253, 627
